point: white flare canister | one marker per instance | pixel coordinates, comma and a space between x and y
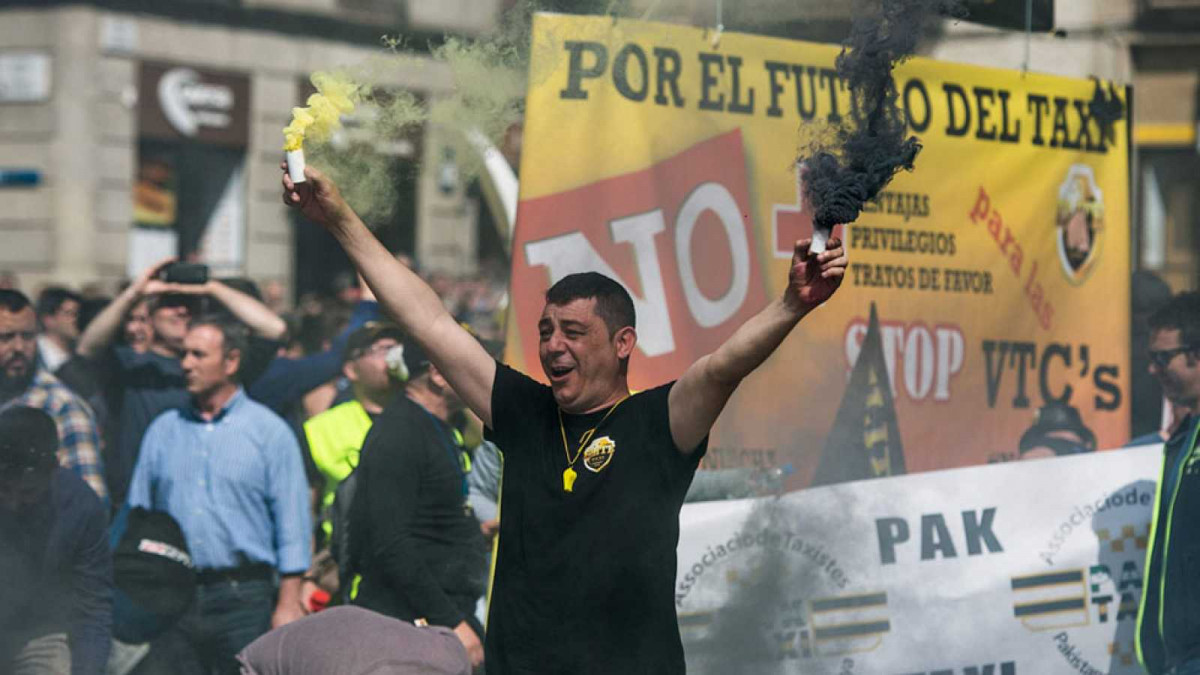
819, 239
295, 165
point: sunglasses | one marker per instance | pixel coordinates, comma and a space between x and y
1161, 358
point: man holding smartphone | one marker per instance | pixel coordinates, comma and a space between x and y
143, 384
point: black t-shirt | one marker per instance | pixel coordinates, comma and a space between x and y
584, 580
418, 548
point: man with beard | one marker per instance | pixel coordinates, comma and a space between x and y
22, 382
56, 617
594, 475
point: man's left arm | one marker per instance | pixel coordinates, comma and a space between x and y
286, 381
90, 636
80, 445
290, 512
700, 395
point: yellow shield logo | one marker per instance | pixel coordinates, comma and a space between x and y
599, 453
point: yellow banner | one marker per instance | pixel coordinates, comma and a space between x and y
999, 267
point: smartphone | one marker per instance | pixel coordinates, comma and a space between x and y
185, 273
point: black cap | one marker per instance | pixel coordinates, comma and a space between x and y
28, 440
367, 335
153, 574
1056, 416
417, 361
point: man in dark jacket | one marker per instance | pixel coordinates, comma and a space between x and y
413, 538
1168, 623
56, 616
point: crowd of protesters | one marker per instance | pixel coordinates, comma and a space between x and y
190, 467
172, 461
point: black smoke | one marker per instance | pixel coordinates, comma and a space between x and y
1107, 108
870, 147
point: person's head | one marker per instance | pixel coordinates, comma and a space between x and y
345, 288
1057, 430
1148, 293
318, 326
137, 329
1174, 349
586, 335
365, 360
274, 295
170, 316
28, 456
214, 348
425, 383
58, 313
18, 342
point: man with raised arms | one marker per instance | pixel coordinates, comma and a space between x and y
594, 477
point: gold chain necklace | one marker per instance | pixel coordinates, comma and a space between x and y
569, 475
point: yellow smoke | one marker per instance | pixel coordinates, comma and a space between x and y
336, 96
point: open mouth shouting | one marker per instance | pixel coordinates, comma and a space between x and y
559, 372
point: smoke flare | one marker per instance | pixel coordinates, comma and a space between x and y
336, 96
873, 146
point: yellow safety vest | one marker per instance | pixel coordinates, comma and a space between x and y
335, 438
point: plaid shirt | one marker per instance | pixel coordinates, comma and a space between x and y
79, 442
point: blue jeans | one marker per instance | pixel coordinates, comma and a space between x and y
223, 619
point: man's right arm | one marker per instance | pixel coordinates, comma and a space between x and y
403, 295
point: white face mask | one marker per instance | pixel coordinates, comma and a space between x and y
395, 363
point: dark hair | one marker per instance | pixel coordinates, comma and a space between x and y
613, 303
1181, 313
314, 331
1053, 417
51, 299
90, 308
28, 440
234, 334
244, 285
12, 301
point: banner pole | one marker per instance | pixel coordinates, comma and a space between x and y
720, 23
1028, 32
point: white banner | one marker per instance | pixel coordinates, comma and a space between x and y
1020, 568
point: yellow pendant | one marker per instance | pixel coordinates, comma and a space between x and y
569, 479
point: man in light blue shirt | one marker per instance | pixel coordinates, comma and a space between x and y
230, 471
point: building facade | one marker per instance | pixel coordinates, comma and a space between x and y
132, 130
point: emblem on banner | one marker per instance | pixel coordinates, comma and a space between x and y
1051, 601
599, 454
1072, 603
1079, 222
